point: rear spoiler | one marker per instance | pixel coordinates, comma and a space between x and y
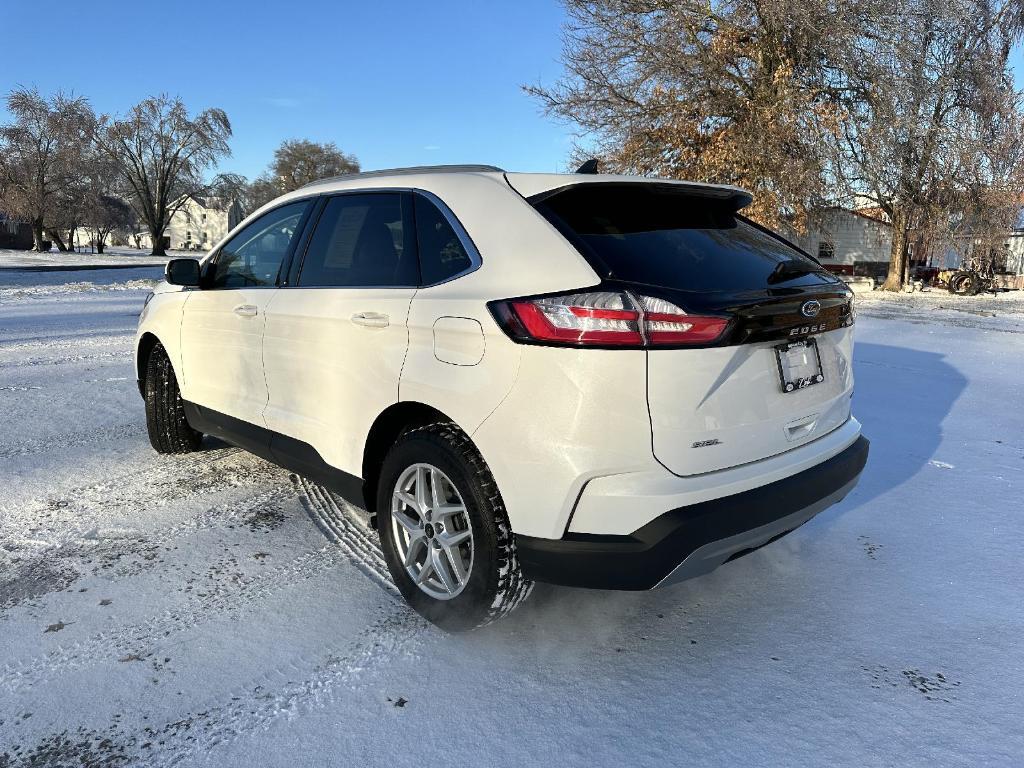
736, 197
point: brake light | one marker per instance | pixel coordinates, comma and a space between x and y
581, 318
665, 323
605, 318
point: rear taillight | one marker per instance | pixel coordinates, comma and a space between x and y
605, 319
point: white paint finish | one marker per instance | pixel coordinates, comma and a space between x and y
619, 504
466, 393
329, 377
733, 395
572, 415
162, 318
221, 350
459, 340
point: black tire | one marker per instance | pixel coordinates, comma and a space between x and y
963, 284
495, 584
169, 430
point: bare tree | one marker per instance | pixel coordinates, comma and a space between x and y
106, 214
231, 187
162, 154
261, 191
929, 123
721, 91
40, 153
298, 162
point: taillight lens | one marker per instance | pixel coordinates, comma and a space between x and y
665, 323
606, 318
598, 318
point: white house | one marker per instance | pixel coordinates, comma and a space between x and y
197, 224
848, 241
857, 242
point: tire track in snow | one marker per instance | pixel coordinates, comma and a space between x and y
224, 599
277, 695
43, 567
341, 527
159, 483
59, 442
355, 545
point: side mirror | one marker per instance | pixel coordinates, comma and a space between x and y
183, 272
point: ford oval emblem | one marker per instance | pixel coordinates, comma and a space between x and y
810, 308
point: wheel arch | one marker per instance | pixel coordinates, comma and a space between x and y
389, 425
147, 342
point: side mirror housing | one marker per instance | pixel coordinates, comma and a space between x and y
183, 272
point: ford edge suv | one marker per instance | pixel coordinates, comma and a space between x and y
590, 380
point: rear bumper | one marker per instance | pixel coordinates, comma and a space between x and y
695, 539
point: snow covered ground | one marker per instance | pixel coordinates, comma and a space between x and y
214, 610
112, 255
989, 311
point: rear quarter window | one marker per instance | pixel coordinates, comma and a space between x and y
667, 235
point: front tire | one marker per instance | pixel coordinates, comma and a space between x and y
444, 531
169, 430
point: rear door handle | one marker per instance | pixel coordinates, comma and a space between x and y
371, 319
246, 310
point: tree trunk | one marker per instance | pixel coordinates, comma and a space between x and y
37, 234
897, 254
55, 236
71, 238
158, 242
100, 245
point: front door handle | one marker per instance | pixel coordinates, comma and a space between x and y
371, 319
246, 310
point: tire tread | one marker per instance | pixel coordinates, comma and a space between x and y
513, 586
168, 428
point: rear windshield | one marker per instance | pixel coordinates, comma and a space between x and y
668, 236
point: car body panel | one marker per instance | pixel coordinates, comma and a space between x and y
327, 376
221, 347
724, 406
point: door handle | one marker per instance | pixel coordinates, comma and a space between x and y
246, 310
371, 319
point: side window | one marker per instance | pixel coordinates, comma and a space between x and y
253, 257
441, 251
362, 240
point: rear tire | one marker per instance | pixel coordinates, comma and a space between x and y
494, 584
169, 430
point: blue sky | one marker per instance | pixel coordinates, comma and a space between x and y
395, 83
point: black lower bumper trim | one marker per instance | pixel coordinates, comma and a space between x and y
645, 557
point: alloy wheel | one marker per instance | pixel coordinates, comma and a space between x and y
431, 531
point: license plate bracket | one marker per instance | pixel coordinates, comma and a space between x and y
799, 364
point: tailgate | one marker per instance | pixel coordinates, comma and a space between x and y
719, 407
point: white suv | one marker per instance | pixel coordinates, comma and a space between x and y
590, 380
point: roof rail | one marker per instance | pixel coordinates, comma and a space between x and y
411, 170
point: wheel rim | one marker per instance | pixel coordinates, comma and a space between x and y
431, 531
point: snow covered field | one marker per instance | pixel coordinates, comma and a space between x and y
112, 255
213, 610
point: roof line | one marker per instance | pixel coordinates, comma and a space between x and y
410, 170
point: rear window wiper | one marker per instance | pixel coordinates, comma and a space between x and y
787, 270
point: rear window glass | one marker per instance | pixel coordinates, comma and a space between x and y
667, 236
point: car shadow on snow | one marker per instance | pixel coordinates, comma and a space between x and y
902, 397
